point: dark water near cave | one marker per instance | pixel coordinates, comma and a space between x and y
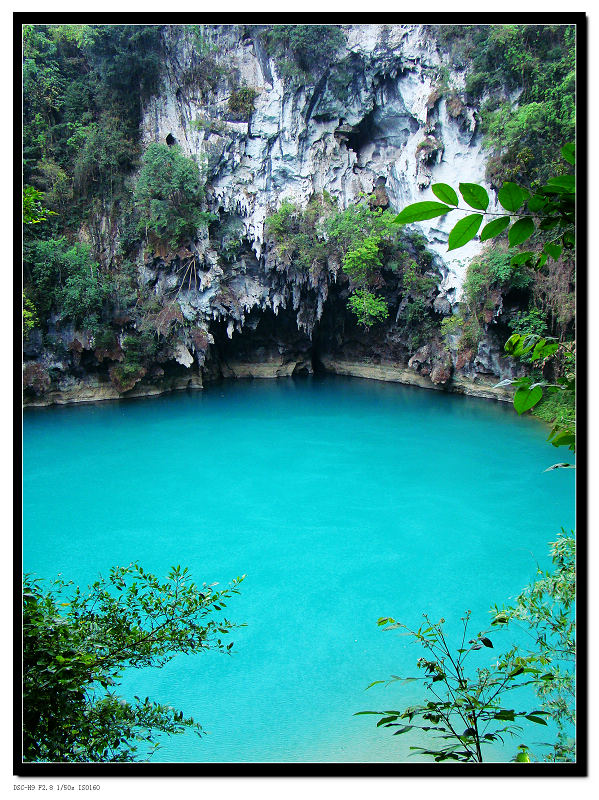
343, 500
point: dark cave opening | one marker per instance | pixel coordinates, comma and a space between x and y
362, 133
170, 139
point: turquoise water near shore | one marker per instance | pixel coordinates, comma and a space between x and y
343, 500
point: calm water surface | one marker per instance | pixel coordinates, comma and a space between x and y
343, 500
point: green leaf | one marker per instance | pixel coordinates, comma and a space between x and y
569, 153
522, 258
511, 196
385, 720
417, 212
494, 228
405, 729
549, 222
505, 714
476, 196
567, 182
445, 193
465, 230
374, 683
554, 250
521, 231
566, 438
537, 202
544, 349
525, 399
538, 720
523, 758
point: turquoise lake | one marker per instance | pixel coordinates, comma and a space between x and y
342, 500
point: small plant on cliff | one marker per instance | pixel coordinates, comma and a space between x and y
77, 644
169, 195
30, 318
367, 307
241, 102
303, 49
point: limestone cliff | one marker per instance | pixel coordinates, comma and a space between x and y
379, 121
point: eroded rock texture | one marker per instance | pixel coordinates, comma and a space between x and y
375, 123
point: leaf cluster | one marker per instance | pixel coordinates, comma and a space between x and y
77, 644
303, 50
64, 277
169, 194
537, 62
550, 208
467, 709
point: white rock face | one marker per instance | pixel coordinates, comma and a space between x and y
296, 142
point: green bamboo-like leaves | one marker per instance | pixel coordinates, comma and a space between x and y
521, 231
494, 228
511, 196
464, 230
476, 196
445, 193
417, 212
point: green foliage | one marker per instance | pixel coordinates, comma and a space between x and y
557, 409
65, 278
103, 154
531, 322
492, 270
362, 238
169, 194
530, 392
33, 211
241, 102
546, 607
303, 50
298, 232
362, 260
367, 307
550, 208
414, 282
140, 349
465, 708
75, 77
539, 60
77, 644
30, 317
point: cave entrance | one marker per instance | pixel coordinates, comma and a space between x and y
363, 133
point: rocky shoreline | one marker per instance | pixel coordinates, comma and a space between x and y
93, 389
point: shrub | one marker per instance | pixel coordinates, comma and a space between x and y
367, 307
241, 102
362, 260
303, 48
66, 278
30, 317
169, 194
493, 270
